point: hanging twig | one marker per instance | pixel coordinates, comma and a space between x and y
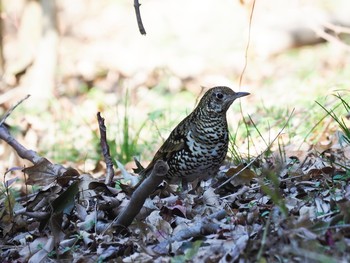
138, 17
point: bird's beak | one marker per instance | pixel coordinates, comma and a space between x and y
241, 94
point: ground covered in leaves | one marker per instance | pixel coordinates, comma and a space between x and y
277, 210
282, 199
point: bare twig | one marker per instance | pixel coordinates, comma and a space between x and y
330, 38
105, 150
337, 29
24, 153
32, 156
8, 113
246, 61
205, 226
138, 198
247, 46
138, 17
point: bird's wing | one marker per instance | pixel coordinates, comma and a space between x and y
175, 142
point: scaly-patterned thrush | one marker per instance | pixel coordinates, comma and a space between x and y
198, 145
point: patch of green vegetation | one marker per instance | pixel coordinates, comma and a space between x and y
127, 143
338, 116
191, 251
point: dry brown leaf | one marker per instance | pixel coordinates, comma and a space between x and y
161, 229
43, 173
43, 198
68, 176
316, 166
244, 177
175, 210
296, 151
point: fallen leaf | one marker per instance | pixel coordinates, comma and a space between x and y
43, 173
243, 177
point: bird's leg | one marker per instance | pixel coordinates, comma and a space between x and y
184, 184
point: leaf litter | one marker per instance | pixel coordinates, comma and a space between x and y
296, 209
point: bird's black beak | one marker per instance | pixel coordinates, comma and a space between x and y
241, 94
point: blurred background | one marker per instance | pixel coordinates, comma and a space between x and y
79, 57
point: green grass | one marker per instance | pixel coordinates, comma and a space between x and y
127, 142
338, 117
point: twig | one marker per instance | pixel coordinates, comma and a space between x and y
337, 29
8, 95
3, 119
138, 198
198, 228
23, 152
238, 193
246, 62
138, 17
40, 163
328, 37
251, 162
105, 150
247, 46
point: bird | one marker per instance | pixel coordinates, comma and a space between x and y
197, 146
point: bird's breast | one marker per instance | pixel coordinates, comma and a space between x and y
207, 145
205, 149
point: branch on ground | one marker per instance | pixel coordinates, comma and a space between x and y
206, 226
138, 198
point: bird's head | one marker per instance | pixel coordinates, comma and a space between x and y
219, 99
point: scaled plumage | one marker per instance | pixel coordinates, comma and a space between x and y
198, 145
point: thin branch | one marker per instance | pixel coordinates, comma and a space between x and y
23, 152
5, 135
40, 163
330, 38
8, 113
247, 46
138, 17
246, 61
105, 150
337, 29
208, 225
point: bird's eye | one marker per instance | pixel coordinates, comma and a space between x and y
219, 95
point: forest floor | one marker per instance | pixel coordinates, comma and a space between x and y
292, 202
